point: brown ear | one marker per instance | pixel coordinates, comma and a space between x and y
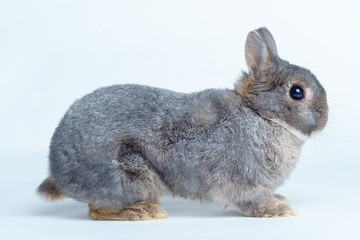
260, 49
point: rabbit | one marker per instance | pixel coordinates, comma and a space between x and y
121, 147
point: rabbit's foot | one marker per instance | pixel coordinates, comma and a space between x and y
277, 206
139, 211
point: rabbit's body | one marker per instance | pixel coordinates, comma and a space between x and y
121, 147
178, 143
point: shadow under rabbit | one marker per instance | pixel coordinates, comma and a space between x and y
176, 207
65, 209
70, 209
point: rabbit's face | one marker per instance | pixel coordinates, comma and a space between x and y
279, 91
304, 104
292, 96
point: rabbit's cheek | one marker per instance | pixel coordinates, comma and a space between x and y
309, 123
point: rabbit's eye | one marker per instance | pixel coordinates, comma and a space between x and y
297, 93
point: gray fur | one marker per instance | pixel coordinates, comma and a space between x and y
126, 143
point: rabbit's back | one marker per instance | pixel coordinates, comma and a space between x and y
123, 108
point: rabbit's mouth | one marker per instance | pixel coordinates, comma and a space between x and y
322, 118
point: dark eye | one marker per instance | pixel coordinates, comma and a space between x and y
297, 93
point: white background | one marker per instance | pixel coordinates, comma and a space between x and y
52, 52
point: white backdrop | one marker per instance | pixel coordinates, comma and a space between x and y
52, 52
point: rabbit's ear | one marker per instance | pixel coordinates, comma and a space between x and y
260, 49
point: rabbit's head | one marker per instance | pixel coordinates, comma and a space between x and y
279, 91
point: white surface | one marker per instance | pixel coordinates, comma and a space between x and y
52, 52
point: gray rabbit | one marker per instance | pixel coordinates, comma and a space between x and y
121, 147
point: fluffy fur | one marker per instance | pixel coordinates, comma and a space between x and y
126, 144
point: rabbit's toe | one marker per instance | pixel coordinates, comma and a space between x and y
278, 206
139, 211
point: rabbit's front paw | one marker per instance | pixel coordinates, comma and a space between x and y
140, 211
277, 206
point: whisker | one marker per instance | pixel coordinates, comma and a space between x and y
329, 163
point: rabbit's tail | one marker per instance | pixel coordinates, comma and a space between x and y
48, 189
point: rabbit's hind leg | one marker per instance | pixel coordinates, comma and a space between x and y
137, 184
139, 211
